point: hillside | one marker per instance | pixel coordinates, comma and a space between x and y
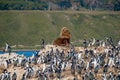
29, 27
112, 5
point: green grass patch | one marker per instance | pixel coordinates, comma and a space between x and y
29, 27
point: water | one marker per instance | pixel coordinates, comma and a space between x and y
26, 53
1, 52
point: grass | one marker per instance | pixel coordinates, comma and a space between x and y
29, 27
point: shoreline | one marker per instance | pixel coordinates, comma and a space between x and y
65, 75
23, 50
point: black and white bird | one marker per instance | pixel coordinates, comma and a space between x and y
37, 73
101, 60
9, 78
74, 78
110, 77
73, 67
78, 69
5, 64
104, 77
118, 76
23, 77
45, 75
85, 43
14, 76
40, 76
86, 53
105, 68
96, 69
59, 73
23, 63
93, 41
79, 55
15, 62
95, 62
91, 75
86, 76
5, 75
111, 59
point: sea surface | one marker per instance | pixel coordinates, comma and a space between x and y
26, 53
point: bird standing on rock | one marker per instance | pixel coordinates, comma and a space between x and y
14, 76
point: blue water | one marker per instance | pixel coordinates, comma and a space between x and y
27, 53
1, 52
